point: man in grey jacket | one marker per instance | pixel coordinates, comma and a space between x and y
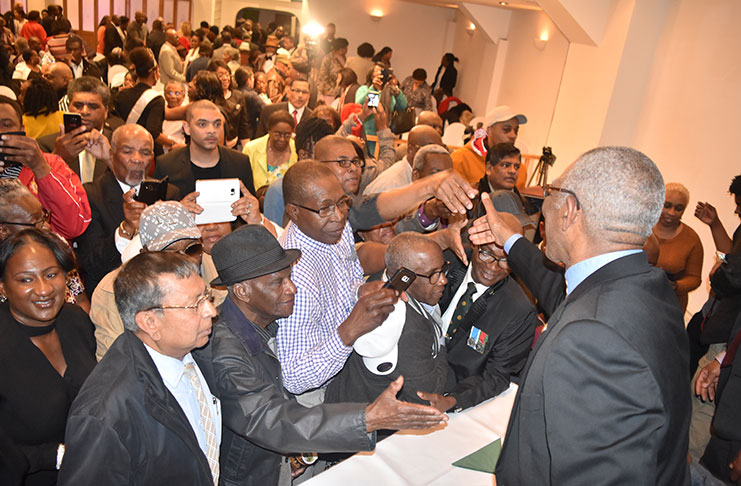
259, 416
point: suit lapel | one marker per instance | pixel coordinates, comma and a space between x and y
472, 316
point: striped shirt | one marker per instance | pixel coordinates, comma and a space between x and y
310, 349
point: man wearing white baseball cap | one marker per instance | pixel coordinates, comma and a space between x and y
501, 125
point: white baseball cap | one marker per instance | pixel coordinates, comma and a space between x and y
503, 113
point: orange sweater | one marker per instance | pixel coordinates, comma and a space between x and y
681, 258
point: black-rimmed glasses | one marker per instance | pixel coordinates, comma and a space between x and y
488, 257
344, 203
45, 217
207, 296
547, 189
435, 277
345, 163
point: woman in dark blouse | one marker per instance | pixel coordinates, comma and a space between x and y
47, 350
237, 127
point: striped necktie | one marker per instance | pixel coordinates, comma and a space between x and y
212, 446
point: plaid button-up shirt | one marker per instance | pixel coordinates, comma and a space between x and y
327, 277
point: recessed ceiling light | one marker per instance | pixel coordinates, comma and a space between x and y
503, 4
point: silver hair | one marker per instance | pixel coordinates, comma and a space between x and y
180, 84
420, 158
127, 131
621, 193
677, 187
11, 191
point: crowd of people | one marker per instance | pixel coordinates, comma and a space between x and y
363, 277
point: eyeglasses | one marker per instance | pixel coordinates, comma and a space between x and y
192, 250
46, 216
174, 93
281, 134
435, 277
207, 296
345, 163
547, 189
343, 204
488, 257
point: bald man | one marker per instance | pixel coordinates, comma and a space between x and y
431, 119
400, 174
115, 212
59, 75
171, 66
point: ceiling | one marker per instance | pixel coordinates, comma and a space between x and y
510, 4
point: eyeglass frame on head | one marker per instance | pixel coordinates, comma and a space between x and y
443, 271
207, 295
329, 210
548, 188
345, 163
45, 218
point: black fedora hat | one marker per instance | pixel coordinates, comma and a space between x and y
250, 252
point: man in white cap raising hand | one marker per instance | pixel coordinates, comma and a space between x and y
501, 125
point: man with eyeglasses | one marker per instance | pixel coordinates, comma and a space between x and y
89, 97
112, 197
165, 226
148, 413
408, 343
488, 323
298, 96
604, 396
315, 341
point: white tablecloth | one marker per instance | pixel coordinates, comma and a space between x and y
426, 457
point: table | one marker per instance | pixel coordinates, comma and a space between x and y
425, 458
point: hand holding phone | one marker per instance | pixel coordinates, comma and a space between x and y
401, 280
374, 99
12, 166
152, 190
71, 121
216, 197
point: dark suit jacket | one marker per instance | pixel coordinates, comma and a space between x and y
262, 127
96, 247
125, 411
504, 313
176, 165
90, 69
603, 398
47, 143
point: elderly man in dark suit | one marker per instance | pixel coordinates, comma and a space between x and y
603, 398
148, 404
204, 158
298, 95
489, 325
115, 211
89, 97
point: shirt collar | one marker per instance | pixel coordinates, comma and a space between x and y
299, 111
480, 288
126, 188
579, 272
171, 369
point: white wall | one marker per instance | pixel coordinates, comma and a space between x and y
532, 77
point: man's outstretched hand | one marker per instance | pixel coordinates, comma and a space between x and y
494, 227
389, 413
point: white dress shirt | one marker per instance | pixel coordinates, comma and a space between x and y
172, 372
480, 289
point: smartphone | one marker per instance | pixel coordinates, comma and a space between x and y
216, 197
373, 99
8, 164
72, 121
386, 74
401, 280
152, 190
